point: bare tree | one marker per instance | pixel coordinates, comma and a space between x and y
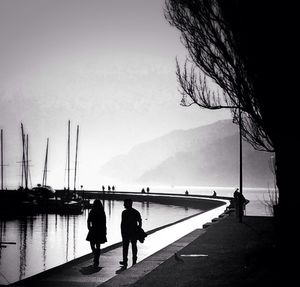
244, 47
214, 53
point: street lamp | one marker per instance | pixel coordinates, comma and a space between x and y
240, 198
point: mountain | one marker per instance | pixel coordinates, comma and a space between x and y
207, 155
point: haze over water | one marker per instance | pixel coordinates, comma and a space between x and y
107, 66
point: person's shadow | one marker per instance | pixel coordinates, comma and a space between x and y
87, 270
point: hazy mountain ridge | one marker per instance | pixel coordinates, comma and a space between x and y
214, 165
207, 155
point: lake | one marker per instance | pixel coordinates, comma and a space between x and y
44, 241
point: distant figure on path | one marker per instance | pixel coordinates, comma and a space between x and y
148, 189
186, 192
130, 224
240, 203
214, 194
235, 194
96, 224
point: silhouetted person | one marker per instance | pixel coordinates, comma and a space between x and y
239, 202
186, 192
131, 221
96, 224
148, 189
236, 193
143, 190
214, 194
236, 202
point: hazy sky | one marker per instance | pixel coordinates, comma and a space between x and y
106, 65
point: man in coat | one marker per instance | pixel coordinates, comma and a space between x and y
130, 226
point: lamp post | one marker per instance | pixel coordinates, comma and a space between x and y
240, 198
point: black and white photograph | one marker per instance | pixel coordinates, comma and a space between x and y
147, 143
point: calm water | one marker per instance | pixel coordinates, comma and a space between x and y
45, 241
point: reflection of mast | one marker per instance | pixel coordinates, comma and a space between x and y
23, 248
44, 237
75, 173
74, 237
44, 182
109, 207
67, 241
2, 234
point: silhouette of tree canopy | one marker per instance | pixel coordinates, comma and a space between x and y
215, 51
244, 47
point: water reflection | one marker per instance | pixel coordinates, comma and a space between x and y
23, 249
47, 240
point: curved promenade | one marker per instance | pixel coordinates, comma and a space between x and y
80, 272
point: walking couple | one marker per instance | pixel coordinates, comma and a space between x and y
131, 224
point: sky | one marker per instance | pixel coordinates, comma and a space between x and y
105, 65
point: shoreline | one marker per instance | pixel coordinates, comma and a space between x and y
14, 202
206, 205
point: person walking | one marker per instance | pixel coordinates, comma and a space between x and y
96, 224
130, 225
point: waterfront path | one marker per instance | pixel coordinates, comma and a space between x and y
225, 252
228, 253
80, 272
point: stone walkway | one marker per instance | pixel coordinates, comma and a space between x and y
156, 249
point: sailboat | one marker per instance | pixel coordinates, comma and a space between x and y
48, 200
44, 191
71, 201
11, 201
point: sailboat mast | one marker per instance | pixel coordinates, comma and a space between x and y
44, 182
27, 164
69, 155
75, 173
1, 159
23, 155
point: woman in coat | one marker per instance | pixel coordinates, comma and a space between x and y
96, 224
